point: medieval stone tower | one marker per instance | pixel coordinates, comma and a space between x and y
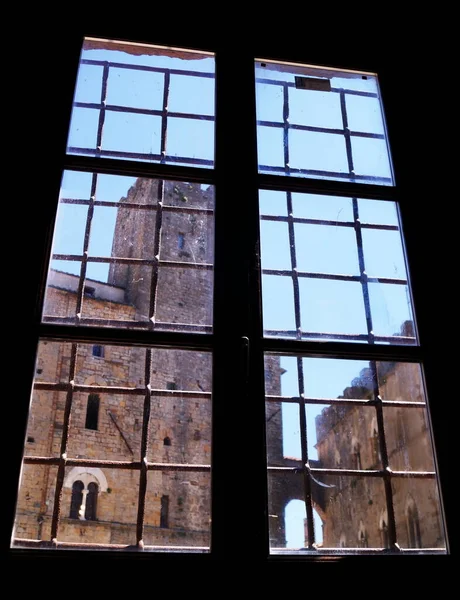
99, 505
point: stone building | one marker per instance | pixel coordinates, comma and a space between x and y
165, 276
100, 505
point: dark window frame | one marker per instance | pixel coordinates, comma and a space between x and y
252, 380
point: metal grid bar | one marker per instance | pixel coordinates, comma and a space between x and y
132, 261
363, 134
132, 205
142, 156
89, 218
144, 448
106, 389
291, 84
335, 276
345, 401
159, 326
117, 65
63, 452
141, 111
304, 450
381, 473
55, 544
305, 221
120, 464
319, 173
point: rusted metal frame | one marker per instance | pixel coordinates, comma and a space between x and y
159, 326
380, 473
392, 535
359, 337
134, 168
291, 84
63, 450
304, 449
26, 543
118, 390
141, 156
84, 256
362, 134
344, 401
316, 172
144, 449
133, 67
140, 111
328, 187
334, 276
169, 208
117, 464
305, 221
132, 261
159, 215
336, 553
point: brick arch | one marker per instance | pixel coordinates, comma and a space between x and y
86, 475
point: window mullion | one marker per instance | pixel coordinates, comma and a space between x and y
239, 479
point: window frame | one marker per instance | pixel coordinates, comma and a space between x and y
236, 340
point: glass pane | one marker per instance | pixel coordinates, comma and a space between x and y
179, 509
418, 513
109, 232
317, 122
146, 103
35, 504
103, 389
334, 268
319, 411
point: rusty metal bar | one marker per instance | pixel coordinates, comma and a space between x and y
133, 261
144, 156
118, 464
159, 325
380, 473
186, 210
132, 67
84, 257
344, 401
335, 277
358, 337
106, 389
304, 450
144, 450
306, 221
276, 125
139, 111
26, 543
63, 451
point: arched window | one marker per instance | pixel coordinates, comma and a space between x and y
92, 412
91, 502
413, 526
167, 441
76, 499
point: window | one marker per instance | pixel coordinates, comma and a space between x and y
164, 512
76, 500
92, 412
98, 351
232, 323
